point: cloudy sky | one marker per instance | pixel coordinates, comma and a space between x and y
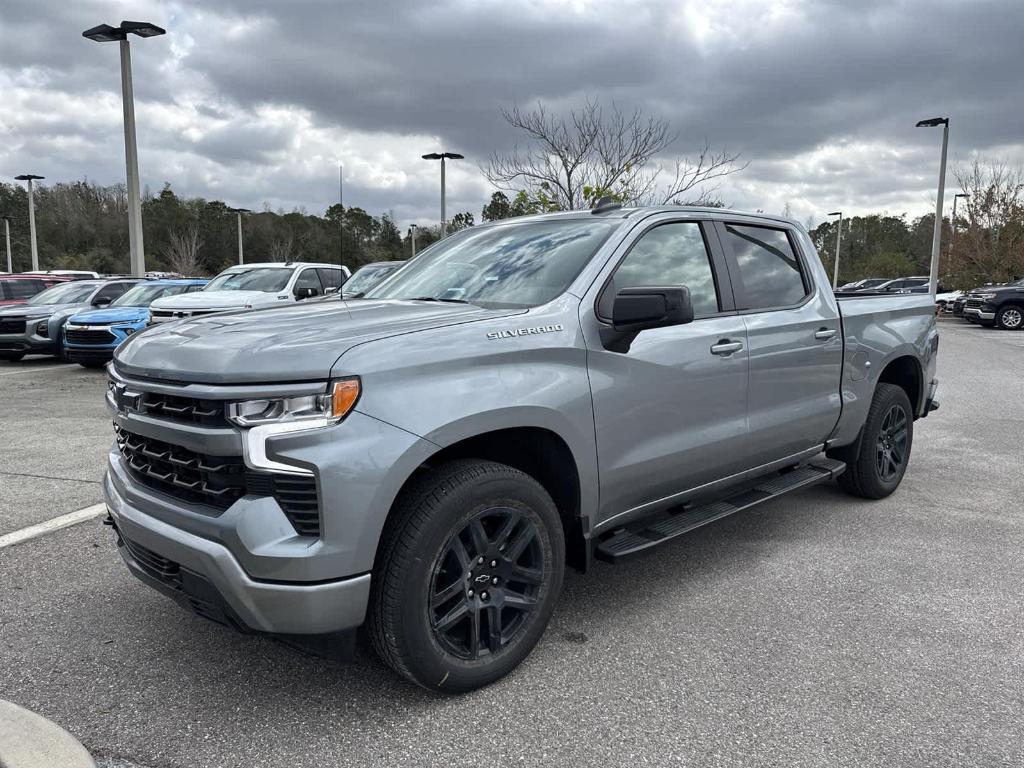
256, 101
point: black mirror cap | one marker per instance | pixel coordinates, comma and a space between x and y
637, 309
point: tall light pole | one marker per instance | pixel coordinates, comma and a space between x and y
933, 274
442, 156
105, 33
238, 212
7, 236
412, 235
341, 217
952, 234
839, 239
30, 177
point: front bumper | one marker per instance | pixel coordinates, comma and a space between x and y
978, 314
29, 344
205, 577
89, 355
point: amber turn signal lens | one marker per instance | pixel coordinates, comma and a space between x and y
343, 396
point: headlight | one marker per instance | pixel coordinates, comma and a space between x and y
318, 410
43, 328
986, 296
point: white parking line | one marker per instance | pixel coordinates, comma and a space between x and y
40, 370
71, 518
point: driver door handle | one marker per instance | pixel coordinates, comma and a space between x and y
824, 334
726, 347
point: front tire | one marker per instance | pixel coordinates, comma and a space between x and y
469, 569
1011, 318
879, 465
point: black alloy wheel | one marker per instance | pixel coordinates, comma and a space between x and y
485, 583
891, 447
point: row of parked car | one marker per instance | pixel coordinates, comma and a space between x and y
999, 305
83, 319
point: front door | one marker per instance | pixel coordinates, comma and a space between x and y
669, 413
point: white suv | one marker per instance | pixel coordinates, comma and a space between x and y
253, 286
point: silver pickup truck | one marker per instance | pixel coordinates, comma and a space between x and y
521, 396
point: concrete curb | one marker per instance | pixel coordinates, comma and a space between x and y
28, 740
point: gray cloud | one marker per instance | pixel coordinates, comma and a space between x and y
255, 100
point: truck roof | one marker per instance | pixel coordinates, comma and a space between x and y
282, 265
646, 210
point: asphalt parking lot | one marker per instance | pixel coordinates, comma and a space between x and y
816, 630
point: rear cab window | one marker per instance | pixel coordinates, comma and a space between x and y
768, 272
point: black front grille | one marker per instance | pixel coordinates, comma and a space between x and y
973, 303
217, 481
189, 410
12, 324
90, 337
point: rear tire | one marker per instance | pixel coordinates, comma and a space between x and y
11, 357
469, 568
888, 436
1011, 318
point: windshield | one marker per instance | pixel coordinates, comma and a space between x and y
144, 295
267, 279
367, 277
65, 293
504, 266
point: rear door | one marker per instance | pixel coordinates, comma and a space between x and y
669, 413
794, 340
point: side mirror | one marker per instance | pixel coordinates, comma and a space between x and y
101, 301
640, 309
304, 293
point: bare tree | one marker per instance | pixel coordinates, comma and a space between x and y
281, 248
989, 244
183, 248
572, 161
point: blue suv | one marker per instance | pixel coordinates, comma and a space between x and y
90, 338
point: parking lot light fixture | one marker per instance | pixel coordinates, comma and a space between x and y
104, 33
933, 275
239, 212
442, 156
839, 237
30, 177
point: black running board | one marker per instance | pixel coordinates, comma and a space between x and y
640, 537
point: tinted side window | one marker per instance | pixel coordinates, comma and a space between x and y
331, 278
769, 271
111, 292
669, 254
23, 289
308, 279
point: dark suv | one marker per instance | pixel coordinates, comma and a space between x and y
998, 305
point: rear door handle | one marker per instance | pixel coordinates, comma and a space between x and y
726, 347
824, 334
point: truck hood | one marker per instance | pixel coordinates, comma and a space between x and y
36, 311
293, 343
112, 315
220, 300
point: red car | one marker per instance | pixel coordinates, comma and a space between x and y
17, 289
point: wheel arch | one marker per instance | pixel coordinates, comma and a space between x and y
538, 451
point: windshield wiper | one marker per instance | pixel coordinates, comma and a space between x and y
434, 298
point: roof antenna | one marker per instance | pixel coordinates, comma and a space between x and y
606, 204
